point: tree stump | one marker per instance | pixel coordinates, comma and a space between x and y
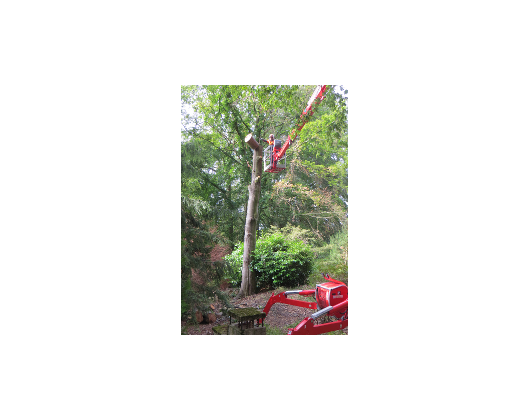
198, 317
209, 318
246, 317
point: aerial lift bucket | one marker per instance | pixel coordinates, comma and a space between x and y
280, 164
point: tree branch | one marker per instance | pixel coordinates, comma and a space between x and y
213, 144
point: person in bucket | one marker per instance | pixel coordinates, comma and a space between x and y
274, 146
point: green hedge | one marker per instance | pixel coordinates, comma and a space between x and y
277, 261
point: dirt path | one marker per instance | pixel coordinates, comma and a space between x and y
280, 317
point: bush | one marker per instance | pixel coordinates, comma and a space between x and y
278, 262
235, 264
332, 259
296, 233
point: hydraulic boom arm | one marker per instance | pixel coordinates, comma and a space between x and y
312, 104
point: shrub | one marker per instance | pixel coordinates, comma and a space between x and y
234, 265
296, 233
332, 259
278, 262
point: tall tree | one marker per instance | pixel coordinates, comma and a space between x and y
248, 279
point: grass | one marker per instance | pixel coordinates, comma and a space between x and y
338, 332
279, 330
283, 330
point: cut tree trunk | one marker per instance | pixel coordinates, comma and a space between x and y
248, 280
251, 141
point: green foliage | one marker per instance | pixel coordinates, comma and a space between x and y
197, 242
296, 233
278, 262
185, 289
235, 264
281, 262
332, 258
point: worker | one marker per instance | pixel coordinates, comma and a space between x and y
275, 145
271, 146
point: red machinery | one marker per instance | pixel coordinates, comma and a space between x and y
331, 300
272, 164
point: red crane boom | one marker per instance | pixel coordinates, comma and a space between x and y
314, 101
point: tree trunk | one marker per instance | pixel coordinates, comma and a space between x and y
248, 282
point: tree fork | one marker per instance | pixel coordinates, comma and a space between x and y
248, 279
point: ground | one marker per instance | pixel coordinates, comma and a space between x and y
280, 317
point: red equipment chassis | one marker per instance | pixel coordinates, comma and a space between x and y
331, 300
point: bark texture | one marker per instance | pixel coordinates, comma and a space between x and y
248, 283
